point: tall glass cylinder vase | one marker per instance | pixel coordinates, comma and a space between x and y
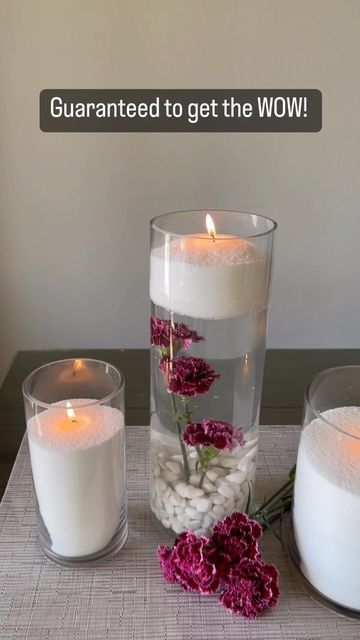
209, 288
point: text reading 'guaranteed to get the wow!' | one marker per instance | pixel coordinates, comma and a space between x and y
180, 110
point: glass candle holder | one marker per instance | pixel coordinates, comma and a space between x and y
325, 545
75, 426
209, 289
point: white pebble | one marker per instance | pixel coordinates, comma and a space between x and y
169, 476
220, 473
166, 522
207, 521
174, 467
218, 499
229, 504
225, 490
175, 499
181, 488
177, 457
237, 477
192, 513
178, 510
200, 532
228, 462
193, 492
212, 475
160, 485
218, 511
167, 493
178, 527
193, 524
193, 455
201, 504
208, 486
169, 508
184, 519
194, 478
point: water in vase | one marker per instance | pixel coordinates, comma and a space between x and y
194, 494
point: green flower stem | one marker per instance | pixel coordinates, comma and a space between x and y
288, 486
187, 412
179, 430
275, 507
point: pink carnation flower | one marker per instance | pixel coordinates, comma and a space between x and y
213, 433
191, 563
163, 333
190, 376
229, 562
252, 586
237, 537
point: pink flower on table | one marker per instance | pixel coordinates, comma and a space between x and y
237, 537
163, 332
190, 376
165, 555
229, 563
191, 563
252, 586
213, 433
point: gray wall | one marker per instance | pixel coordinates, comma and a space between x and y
75, 208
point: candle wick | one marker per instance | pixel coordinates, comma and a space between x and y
213, 236
74, 421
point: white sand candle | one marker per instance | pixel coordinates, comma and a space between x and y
327, 505
209, 276
78, 470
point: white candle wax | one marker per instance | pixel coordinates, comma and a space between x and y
78, 470
327, 506
208, 278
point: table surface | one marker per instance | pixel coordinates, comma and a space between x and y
287, 372
125, 597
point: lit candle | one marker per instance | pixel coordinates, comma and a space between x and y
326, 513
77, 373
209, 275
77, 459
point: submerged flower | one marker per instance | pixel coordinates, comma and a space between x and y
190, 376
191, 563
252, 586
163, 332
213, 433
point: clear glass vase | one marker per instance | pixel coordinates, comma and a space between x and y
75, 426
209, 288
324, 542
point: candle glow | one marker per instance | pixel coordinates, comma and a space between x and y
210, 226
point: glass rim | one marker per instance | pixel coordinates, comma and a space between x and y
316, 379
154, 225
48, 405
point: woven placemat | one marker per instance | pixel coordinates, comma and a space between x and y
126, 597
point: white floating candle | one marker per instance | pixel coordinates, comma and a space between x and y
209, 276
78, 470
326, 513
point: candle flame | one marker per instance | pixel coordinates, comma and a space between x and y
70, 412
78, 365
210, 226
